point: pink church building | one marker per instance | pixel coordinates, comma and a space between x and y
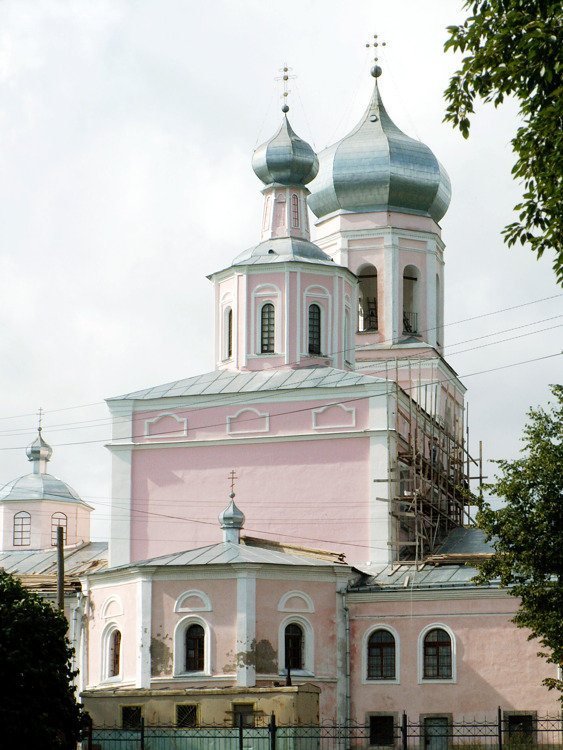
336, 588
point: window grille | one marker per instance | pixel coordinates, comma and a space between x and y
294, 211
381, 656
114, 660
314, 329
58, 519
268, 325
22, 529
437, 655
186, 715
131, 717
195, 645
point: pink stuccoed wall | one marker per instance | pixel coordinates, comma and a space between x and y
178, 494
496, 664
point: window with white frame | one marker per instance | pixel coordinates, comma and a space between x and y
228, 334
314, 329
192, 647
111, 653
381, 655
296, 647
58, 519
267, 329
22, 529
294, 210
436, 654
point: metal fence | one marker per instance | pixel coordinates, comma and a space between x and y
505, 731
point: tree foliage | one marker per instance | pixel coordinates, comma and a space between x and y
526, 532
515, 48
38, 707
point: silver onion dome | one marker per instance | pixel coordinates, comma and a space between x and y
285, 159
377, 167
39, 450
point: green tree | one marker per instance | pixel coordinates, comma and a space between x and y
526, 532
515, 48
38, 707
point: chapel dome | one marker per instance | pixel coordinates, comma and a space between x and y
39, 487
377, 167
285, 159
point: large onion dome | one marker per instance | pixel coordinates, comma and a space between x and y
377, 167
285, 159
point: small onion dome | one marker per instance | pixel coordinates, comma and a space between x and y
285, 159
377, 167
231, 517
39, 449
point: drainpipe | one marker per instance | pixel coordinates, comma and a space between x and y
347, 623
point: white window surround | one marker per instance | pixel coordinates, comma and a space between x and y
107, 634
193, 594
262, 295
225, 334
308, 646
365, 639
420, 650
308, 605
180, 647
182, 422
106, 605
317, 295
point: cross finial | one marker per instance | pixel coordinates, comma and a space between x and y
40, 415
232, 477
376, 70
285, 77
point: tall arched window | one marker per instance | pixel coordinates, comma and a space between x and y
437, 655
267, 328
229, 334
367, 312
411, 322
314, 329
22, 529
114, 654
293, 646
58, 519
294, 211
381, 656
195, 648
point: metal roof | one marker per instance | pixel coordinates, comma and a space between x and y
81, 559
285, 250
227, 381
285, 158
40, 487
460, 542
229, 553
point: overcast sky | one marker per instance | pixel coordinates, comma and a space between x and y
126, 133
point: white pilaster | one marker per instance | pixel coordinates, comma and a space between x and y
246, 628
120, 513
143, 639
431, 308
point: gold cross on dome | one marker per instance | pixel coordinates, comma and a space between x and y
375, 44
285, 77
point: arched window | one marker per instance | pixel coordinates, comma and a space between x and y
267, 329
229, 334
195, 648
58, 519
347, 353
411, 292
314, 329
22, 529
381, 656
279, 212
294, 211
367, 312
293, 646
437, 655
114, 654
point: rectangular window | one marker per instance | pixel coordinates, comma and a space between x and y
22, 529
382, 730
187, 715
521, 728
244, 712
131, 717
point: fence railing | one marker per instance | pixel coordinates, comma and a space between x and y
510, 730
